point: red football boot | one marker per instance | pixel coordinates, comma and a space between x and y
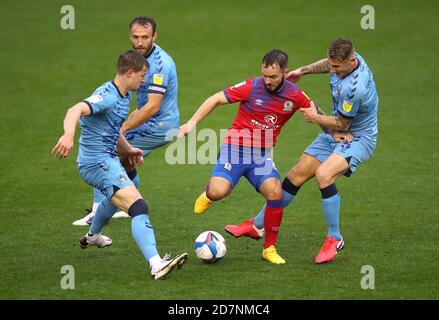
329, 250
245, 229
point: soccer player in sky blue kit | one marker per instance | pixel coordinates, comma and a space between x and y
156, 100
101, 116
355, 111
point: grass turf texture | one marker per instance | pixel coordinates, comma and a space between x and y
389, 215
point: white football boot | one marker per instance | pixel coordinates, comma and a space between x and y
86, 220
98, 240
121, 214
168, 264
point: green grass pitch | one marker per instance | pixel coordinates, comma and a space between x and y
389, 209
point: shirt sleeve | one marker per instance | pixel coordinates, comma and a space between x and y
159, 79
100, 102
301, 100
350, 101
239, 92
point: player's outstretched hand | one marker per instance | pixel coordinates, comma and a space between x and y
186, 128
63, 147
294, 75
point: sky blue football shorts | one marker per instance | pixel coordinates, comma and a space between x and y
108, 175
357, 151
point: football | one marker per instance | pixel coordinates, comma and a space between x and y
210, 247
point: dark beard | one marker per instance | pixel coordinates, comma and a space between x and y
278, 87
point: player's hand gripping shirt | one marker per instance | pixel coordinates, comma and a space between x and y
161, 79
100, 129
261, 113
355, 97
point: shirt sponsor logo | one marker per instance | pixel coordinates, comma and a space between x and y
259, 102
270, 119
157, 78
264, 126
347, 106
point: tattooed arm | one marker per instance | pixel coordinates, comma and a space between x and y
320, 66
338, 123
322, 113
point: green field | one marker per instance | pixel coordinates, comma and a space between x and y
389, 210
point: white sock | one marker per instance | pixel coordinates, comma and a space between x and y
155, 262
93, 236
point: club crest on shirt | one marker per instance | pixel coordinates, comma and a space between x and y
347, 106
270, 119
288, 105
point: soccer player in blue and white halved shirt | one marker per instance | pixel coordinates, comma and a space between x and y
355, 120
101, 116
158, 116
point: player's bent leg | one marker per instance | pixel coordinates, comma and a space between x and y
122, 198
332, 168
271, 188
94, 237
134, 177
216, 189
299, 174
304, 170
87, 219
326, 175
130, 199
125, 197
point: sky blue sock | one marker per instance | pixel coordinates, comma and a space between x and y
258, 221
103, 214
143, 234
98, 196
331, 209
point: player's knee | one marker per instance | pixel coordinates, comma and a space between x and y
137, 208
216, 193
274, 192
322, 176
